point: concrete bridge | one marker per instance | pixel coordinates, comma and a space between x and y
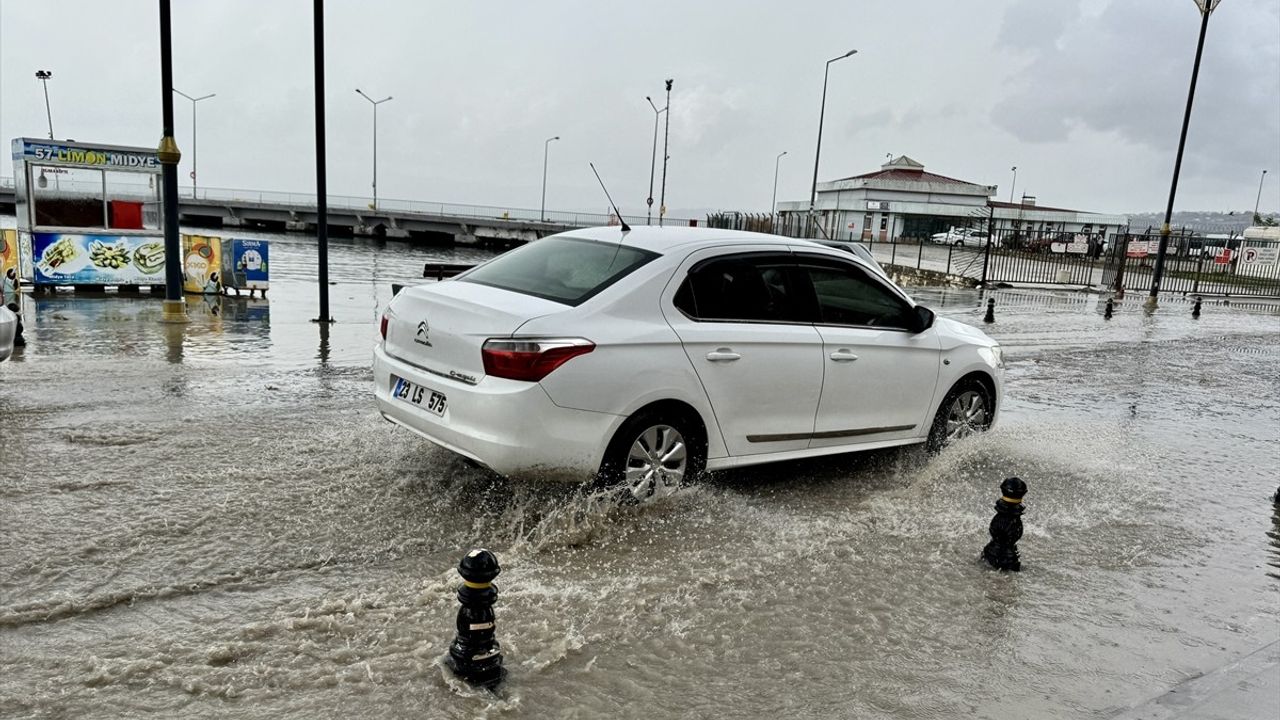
348, 215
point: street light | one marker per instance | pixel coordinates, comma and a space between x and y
817, 153
1255, 218
375, 104
1206, 7
546, 146
43, 76
666, 135
194, 156
1013, 184
773, 205
653, 157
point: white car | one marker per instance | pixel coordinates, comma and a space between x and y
960, 236
643, 358
8, 328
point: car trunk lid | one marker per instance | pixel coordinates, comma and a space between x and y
441, 327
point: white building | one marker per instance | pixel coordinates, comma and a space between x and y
902, 200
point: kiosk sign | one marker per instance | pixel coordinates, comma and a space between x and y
61, 154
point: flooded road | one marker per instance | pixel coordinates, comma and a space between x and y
213, 520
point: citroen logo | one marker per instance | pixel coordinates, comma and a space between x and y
421, 338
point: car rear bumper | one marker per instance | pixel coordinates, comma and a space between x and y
509, 426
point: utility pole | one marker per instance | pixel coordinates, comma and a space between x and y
175, 310
773, 204
817, 153
1257, 202
653, 158
546, 147
375, 103
322, 198
1206, 7
1014, 184
44, 76
194, 155
666, 134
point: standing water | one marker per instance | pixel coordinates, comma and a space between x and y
213, 520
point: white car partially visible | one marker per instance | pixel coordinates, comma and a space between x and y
8, 328
959, 236
643, 358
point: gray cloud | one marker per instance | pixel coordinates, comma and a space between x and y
1124, 68
1058, 88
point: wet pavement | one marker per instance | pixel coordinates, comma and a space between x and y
213, 520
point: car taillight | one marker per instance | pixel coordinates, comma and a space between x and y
530, 359
383, 329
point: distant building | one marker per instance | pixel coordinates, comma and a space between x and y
902, 200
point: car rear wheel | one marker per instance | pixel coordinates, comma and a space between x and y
966, 409
652, 455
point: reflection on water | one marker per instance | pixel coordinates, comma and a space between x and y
274, 328
1274, 534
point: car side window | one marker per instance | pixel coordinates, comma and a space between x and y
741, 289
850, 296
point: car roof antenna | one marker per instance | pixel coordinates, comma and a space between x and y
625, 227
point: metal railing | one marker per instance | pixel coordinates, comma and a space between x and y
1196, 264
292, 200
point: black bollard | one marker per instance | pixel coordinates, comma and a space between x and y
18, 339
1110, 309
1006, 527
1195, 311
475, 655
990, 317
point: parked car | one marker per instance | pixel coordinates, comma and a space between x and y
960, 236
8, 328
642, 358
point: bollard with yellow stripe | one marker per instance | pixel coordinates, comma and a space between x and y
1006, 527
475, 655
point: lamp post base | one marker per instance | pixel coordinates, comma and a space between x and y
1151, 304
175, 312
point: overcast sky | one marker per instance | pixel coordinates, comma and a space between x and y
1084, 96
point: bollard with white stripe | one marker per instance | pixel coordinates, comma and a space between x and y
475, 655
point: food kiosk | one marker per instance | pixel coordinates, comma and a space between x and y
88, 215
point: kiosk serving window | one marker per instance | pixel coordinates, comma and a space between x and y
78, 197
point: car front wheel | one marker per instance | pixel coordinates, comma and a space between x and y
966, 409
652, 455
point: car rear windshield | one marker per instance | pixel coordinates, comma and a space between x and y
566, 270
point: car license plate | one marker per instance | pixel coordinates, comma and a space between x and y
434, 402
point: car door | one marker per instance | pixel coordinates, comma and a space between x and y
748, 340
879, 375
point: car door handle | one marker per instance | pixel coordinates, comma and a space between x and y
723, 355
843, 356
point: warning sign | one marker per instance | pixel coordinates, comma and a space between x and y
1260, 255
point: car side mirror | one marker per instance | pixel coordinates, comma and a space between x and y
924, 318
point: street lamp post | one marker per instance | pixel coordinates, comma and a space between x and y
175, 310
773, 204
1259, 200
194, 156
1206, 7
44, 76
817, 153
375, 104
653, 157
546, 147
666, 135
1013, 184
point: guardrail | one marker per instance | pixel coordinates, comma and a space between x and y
392, 205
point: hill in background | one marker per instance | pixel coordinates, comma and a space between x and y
1217, 222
